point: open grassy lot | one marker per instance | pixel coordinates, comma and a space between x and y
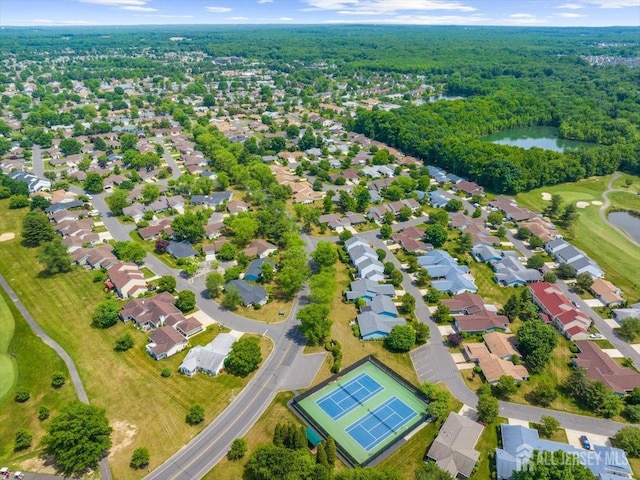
34, 365
269, 313
613, 252
621, 183
487, 287
144, 408
353, 349
625, 200
8, 365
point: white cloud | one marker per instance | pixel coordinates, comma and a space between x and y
46, 21
240, 19
386, 7
116, 3
571, 6
285, 19
218, 9
614, 3
570, 15
418, 20
136, 8
167, 16
265, 1
521, 15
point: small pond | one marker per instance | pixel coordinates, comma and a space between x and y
627, 222
541, 137
435, 98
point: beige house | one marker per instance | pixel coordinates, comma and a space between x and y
453, 449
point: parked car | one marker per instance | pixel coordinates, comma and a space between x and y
18, 475
595, 336
584, 441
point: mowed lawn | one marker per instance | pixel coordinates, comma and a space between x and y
34, 365
613, 252
144, 408
8, 365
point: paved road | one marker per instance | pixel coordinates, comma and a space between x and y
37, 162
105, 473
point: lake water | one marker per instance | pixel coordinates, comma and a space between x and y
541, 137
627, 222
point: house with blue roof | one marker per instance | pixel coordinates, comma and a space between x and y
367, 289
376, 327
520, 444
181, 249
446, 274
381, 305
510, 272
254, 270
437, 199
485, 253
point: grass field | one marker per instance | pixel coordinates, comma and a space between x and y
34, 365
8, 365
613, 252
144, 408
486, 446
269, 313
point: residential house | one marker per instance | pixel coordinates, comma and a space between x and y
135, 211
208, 358
237, 207
520, 444
502, 345
493, 367
602, 367
566, 253
35, 184
209, 252
606, 292
545, 231
633, 311
438, 200
446, 274
62, 206
471, 315
150, 313
127, 280
572, 323
453, 450
365, 259
212, 200
381, 305
213, 230
485, 253
254, 270
375, 327
510, 208
152, 232
181, 249
260, 248
410, 239
165, 342
251, 295
368, 289
468, 188
510, 272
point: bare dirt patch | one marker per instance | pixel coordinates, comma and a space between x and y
39, 464
582, 204
5, 237
121, 437
546, 196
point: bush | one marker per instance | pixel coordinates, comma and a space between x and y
124, 343
22, 396
238, 449
186, 301
140, 458
628, 439
58, 380
23, 440
43, 413
422, 332
244, 358
401, 338
195, 415
632, 413
165, 373
454, 339
99, 276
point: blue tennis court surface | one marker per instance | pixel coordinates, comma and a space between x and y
378, 424
348, 396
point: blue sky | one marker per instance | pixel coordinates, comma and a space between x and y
393, 12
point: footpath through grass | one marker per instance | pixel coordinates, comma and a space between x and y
612, 251
143, 408
34, 365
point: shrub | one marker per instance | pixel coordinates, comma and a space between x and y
238, 449
165, 373
454, 339
58, 380
23, 440
195, 414
140, 458
22, 396
43, 413
124, 343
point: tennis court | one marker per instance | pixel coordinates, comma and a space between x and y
378, 424
349, 395
366, 408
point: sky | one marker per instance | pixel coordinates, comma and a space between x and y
377, 12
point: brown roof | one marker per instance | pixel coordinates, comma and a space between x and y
601, 367
501, 344
606, 290
493, 367
165, 338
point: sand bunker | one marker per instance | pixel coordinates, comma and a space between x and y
5, 237
582, 204
546, 196
597, 202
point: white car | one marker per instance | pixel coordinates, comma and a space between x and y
595, 336
18, 475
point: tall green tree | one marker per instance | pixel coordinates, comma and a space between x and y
244, 357
36, 229
55, 257
78, 437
